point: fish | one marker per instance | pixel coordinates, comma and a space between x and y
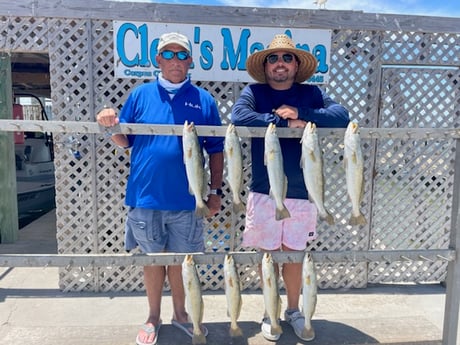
233, 295
234, 158
193, 298
193, 160
354, 172
312, 168
273, 159
309, 295
272, 299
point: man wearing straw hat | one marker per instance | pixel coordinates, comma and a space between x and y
279, 97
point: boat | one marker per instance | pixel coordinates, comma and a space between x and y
35, 177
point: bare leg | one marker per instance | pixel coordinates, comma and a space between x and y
154, 278
292, 276
177, 293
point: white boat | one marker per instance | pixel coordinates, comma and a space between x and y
34, 174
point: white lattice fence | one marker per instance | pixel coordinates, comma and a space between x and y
408, 183
356, 82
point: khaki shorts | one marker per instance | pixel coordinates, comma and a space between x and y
263, 231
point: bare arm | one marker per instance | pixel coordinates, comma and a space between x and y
108, 118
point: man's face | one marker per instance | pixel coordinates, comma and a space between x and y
172, 66
281, 68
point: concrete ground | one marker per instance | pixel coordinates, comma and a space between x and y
34, 311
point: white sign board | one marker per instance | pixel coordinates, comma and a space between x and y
219, 52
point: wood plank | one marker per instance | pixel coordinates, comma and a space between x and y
227, 15
8, 200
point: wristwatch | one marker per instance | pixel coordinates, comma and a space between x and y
216, 191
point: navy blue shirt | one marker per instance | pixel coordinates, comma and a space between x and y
255, 107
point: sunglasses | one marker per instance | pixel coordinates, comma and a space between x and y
274, 58
169, 55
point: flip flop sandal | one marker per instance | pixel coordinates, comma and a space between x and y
148, 329
187, 328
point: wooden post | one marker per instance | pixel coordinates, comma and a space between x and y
452, 308
8, 197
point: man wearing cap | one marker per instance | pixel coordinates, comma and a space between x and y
161, 216
281, 98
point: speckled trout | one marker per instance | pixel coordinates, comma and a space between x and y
309, 295
272, 299
234, 159
193, 160
273, 159
193, 298
354, 172
232, 294
312, 167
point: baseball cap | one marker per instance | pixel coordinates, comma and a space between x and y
173, 38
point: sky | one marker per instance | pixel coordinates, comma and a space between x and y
443, 8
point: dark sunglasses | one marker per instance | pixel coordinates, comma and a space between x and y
169, 55
274, 58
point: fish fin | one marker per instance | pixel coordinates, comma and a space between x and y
236, 332
238, 207
204, 188
354, 157
276, 329
357, 220
198, 339
328, 218
240, 305
202, 211
285, 186
269, 283
361, 195
282, 214
278, 314
308, 334
311, 153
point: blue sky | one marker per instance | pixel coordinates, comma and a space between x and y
445, 8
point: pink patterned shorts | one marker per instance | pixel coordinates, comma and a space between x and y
263, 231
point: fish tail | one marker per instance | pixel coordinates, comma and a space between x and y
238, 206
357, 220
235, 331
202, 211
276, 329
283, 213
328, 218
308, 334
198, 339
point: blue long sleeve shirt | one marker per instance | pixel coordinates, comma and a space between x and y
254, 108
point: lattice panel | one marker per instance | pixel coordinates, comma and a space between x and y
74, 153
421, 48
408, 183
24, 34
411, 208
112, 165
355, 68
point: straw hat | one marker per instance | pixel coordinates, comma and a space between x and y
307, 62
